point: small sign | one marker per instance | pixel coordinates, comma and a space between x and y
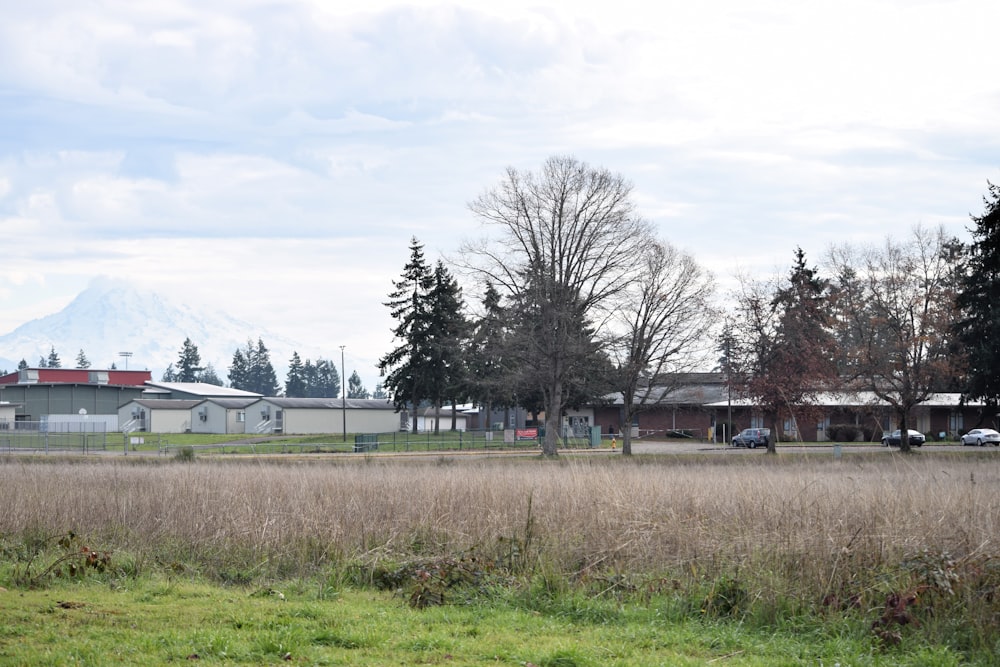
136, 441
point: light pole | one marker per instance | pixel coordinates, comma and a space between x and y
343, 392
126, 355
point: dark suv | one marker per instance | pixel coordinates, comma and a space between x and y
752, 437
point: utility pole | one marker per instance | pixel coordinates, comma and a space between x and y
343, 391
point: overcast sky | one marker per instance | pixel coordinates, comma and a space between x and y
273, 159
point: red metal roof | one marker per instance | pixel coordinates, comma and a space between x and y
77, 376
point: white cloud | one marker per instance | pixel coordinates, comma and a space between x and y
283, 154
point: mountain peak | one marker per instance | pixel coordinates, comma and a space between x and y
111, 316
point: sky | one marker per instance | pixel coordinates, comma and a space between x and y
274, 159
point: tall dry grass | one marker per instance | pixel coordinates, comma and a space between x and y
811, 523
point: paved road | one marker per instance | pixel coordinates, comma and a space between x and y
638, 447
642, 447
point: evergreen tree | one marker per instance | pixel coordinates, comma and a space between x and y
169, 375
265, 380
252, 370
448, 328
239, 371
42, 363
354, 387
295, 384
210, 376
785, 350
490, 382
82, 361
21, 365
379, 392
326, 383
189, 362
53, 360
408, 366
309, 378
979, 303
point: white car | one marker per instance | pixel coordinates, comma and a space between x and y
981, 437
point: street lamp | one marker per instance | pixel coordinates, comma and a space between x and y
343, 392
126, 355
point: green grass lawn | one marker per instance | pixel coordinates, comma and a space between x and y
160, 621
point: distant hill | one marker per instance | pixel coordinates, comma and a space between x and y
111, 316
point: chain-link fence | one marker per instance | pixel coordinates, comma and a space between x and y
45, 437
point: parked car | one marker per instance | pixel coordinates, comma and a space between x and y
981, 437
752, 437
916, 439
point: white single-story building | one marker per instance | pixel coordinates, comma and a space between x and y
299, 416
427, 416
157, 415
221, 415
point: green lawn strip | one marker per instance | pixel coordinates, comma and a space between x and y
157, 621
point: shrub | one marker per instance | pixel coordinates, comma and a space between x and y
185, 454
843, 432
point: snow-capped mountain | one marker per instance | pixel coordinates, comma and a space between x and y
111, 316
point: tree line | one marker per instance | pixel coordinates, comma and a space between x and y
581, 300
252, 370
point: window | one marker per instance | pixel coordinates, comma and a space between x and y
241, 416
955, 422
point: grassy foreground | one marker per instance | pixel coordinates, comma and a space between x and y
155, 621
764, 560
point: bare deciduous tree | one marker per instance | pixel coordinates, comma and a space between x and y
664, 316
904, 309
566, 244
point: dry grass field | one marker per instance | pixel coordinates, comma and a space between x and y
764, 534
647, 516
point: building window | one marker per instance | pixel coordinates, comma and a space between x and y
955, 422
241, 416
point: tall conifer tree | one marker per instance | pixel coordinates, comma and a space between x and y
979, 303
407, 367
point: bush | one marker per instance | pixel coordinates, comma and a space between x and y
185, 454
843, 432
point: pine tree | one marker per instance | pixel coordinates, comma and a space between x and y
979, 303
189, 362
82, 361
408, 366
21, 365
42, 363
354, 387
379, 392
295, 384
53, 360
